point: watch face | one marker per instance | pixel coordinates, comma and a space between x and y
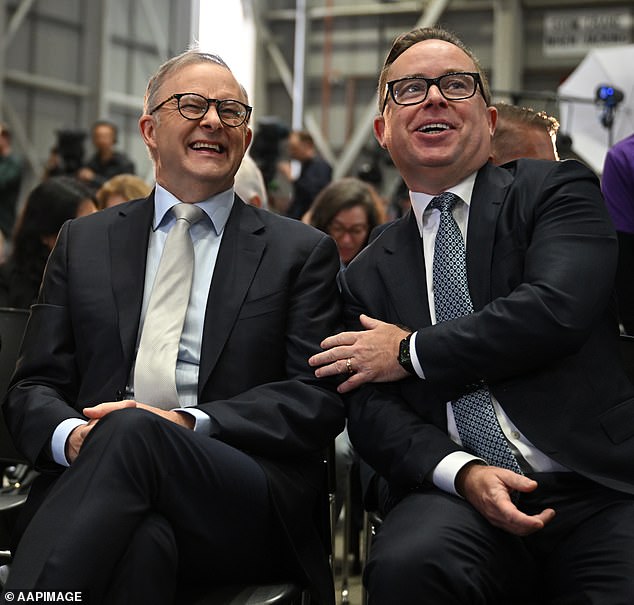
404, 357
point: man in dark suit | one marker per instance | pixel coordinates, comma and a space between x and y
225, 484
541, 342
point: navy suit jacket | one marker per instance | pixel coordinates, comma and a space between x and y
541, 258
273, 298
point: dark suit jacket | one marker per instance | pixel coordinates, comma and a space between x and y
541, 258
273, 298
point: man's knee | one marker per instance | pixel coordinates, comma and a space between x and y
129, 435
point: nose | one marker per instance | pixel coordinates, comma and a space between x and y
211, 118
346, 238
434, 95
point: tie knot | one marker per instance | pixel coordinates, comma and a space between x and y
190, 212
445, 201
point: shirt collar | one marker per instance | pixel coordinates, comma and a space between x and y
420, 201
217, 207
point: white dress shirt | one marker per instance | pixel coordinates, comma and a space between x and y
444, 474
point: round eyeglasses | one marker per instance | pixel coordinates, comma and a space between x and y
193, 106
414, 89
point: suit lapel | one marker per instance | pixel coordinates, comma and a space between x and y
241, 249
402, 268
128, 234
486, 203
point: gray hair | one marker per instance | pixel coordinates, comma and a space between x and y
188, 57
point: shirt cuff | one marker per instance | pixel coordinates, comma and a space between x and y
202, 421
444, 475
60, 437
414, 356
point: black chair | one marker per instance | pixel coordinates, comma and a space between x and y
12, 325
17, 475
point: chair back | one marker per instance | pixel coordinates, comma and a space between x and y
12, 326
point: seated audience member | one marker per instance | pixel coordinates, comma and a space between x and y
121, 188
10, 181
493, 403
249, 184
315, 172
163, 383
617, 184
49, 205
106, 161
522, 132
347, 209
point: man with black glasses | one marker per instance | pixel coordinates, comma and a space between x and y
492, 403
163, 387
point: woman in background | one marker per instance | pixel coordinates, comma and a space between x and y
121, 188
49, 205
347, 209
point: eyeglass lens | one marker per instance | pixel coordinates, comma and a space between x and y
452, 87
193, 107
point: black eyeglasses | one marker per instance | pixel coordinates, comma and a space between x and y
453, 87
193, 106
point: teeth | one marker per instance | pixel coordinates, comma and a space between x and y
211, 146
434, 127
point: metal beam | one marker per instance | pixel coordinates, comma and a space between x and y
19, 15
508, 65
299, 65
45, 83
125, 101
27, 149
284, 71
379, 9
342, 166
286, 76
3, 55
104, 59
155, 27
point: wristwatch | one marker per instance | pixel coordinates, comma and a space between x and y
404, 358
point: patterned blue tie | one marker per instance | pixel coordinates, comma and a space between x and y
475, 417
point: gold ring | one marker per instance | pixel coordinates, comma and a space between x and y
349, 366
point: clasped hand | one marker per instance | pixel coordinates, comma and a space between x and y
95, 413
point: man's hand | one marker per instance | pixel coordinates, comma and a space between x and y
488, 489
76, 440
370, 355
103, 409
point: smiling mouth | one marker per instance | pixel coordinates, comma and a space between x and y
200, 146
434, 128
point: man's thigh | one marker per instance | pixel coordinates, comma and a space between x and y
435, 544
136, 464
588, 554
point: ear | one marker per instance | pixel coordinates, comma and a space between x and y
492, 115
379, 130
147, 127
247, 138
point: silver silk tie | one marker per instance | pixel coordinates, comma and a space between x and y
155, 367
475, 417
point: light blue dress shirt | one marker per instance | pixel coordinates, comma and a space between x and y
206, 236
